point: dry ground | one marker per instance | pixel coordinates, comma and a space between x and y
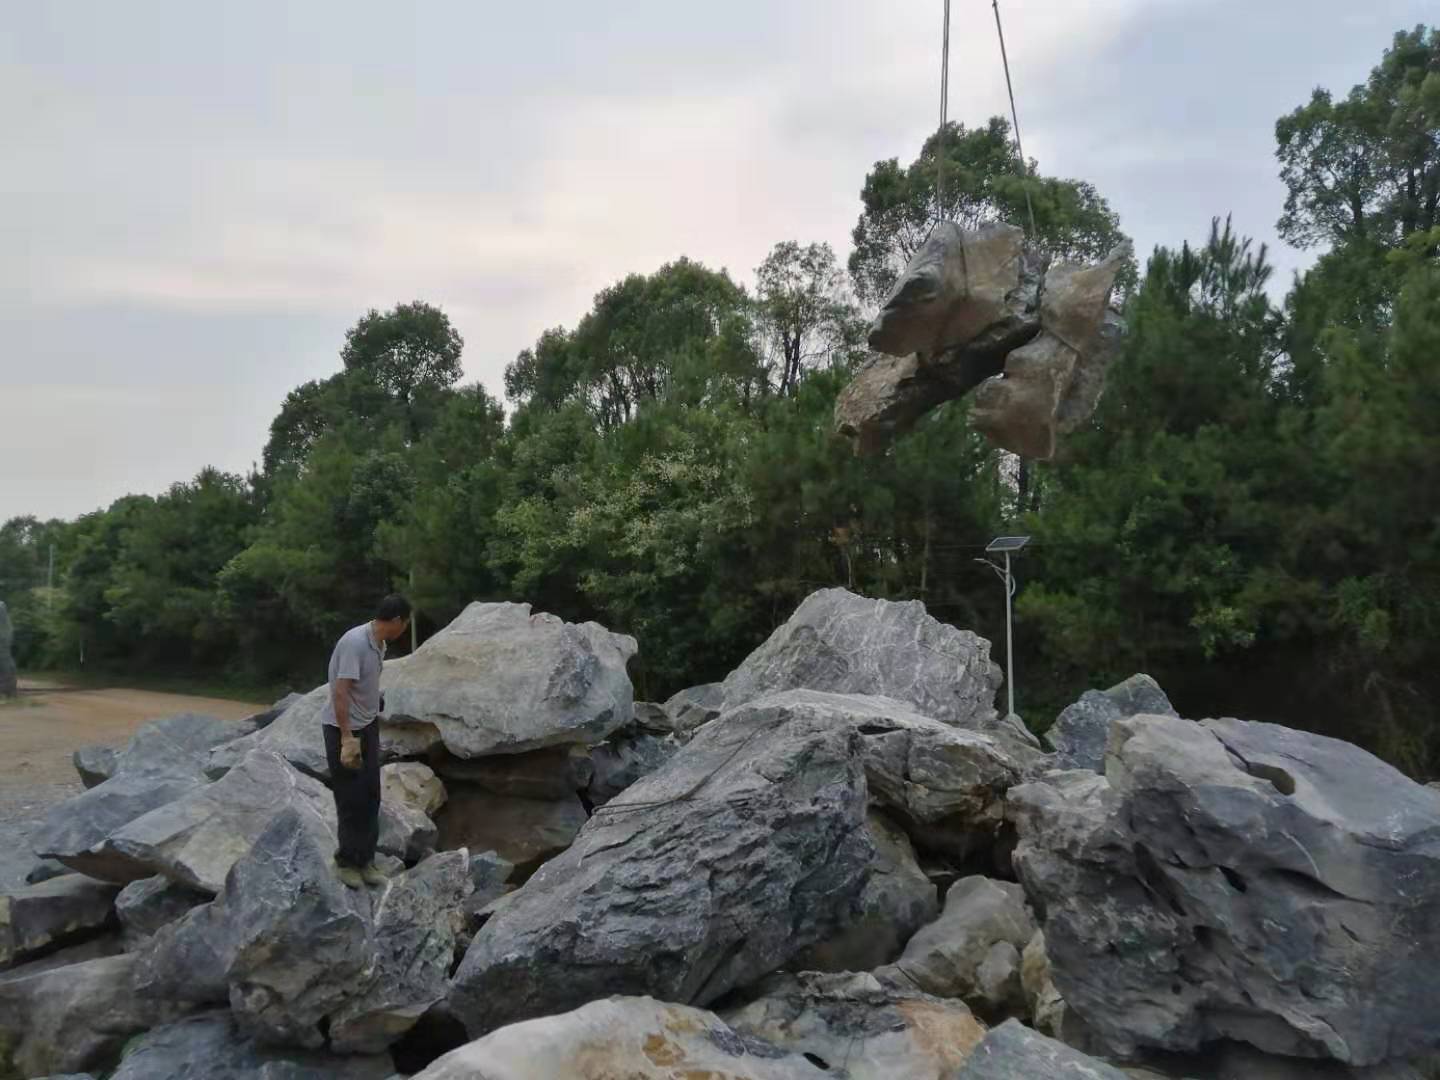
40, 730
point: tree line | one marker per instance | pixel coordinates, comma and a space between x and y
1253, 516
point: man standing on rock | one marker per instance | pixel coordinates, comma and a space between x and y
352, 738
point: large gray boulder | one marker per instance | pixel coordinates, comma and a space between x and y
296, 953
637, 1038
749, 845
841, 643
970, 312
298, 735
500, 679
164, 761
1014, 1052
212, 1047
415, 922
1081, 731
898, 899
853, 1027
966, 300
9, 681
37, 918
1232, 880
144, 906
198, 837
745, 848
74, 1018
973, 951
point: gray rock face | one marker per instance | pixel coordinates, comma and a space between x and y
298, 736
163, 762
1227, 880
960, 286
1081, 731
95, 764
748, 846
973, 951
525, 832
1014, 1052
9, 683
693, 707
415, 919
637, 1038
897, 900
290, 947
145, 906
623, 759
73, 1018
212, 1047
489, 877
846, 644
198, 837
502, 680
270, 715
857, 1029
45, 916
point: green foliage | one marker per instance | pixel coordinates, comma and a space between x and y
804, 317
1367, 168
984, 181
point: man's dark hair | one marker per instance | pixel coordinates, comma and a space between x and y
393, 606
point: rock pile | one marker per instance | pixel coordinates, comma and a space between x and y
745, 881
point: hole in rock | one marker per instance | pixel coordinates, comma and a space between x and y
1236, 881
436, 1033
1283, 781
816, 1060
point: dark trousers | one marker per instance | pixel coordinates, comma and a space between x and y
357, 795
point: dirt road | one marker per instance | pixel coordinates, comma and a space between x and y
40, 731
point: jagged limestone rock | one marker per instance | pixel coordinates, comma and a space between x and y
970, 312
164, 761
1232, 880
1051, 385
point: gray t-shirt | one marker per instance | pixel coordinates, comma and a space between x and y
360, 657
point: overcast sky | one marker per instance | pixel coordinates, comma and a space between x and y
197, 199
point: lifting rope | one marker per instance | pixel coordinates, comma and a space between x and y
944, 117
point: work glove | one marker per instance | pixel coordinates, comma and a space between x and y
350, 756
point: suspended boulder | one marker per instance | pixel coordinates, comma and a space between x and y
971, 312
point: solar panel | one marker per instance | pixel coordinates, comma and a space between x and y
1008, 543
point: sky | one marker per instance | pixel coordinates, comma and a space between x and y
197, 200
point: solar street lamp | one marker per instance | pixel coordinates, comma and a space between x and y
1007, 545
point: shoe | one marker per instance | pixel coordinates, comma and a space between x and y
373, 875
349, 875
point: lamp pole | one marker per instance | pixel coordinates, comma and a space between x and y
1007, 545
